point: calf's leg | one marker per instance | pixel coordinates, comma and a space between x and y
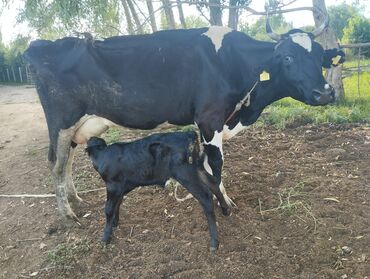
115, 193
210, 183
187, 176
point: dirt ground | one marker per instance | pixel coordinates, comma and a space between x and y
302, 195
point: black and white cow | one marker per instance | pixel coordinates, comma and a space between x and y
176, 76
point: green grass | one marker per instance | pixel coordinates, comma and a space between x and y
66, 255
292, 202
112, 135
354, 109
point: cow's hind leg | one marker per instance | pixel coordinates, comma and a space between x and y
71, 190
63, 165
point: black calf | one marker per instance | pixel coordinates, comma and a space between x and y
152, 161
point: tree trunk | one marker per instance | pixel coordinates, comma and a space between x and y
153, 23
169, 14
233, 15
181, 14
328, 40
126, 10
139, 28
215, 13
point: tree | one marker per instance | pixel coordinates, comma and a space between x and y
169, 14
357, 31
339, 16
328, 41
153, 22
56, 18
13, 54
195, 22
215, 12
258, 29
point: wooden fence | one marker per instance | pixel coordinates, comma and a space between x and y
16, 75
363, 48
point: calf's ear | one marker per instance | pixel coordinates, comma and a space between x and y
333, 57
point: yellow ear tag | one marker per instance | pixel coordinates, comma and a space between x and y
264, 76
336, 59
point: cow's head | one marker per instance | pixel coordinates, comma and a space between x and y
298, 62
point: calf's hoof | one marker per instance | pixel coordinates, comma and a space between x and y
226, 211
105, 239
213, 249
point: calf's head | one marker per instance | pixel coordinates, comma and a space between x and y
298, 62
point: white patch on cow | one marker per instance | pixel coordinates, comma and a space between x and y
206, 165
303, 40
327, 86
90, 126
228, 134
216, 35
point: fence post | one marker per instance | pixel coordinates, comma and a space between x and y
7, 71
3, 75
358, 72
13, 74
20, 74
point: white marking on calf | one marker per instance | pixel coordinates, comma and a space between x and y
216, 141
206, 165
216, 35
228, 134
303, 40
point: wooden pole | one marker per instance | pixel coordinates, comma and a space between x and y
358, 71
13, 74
20, 74
7, 71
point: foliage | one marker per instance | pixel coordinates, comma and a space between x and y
357, 31
193, 21
340, 15
56, 18
258, 29
11, 56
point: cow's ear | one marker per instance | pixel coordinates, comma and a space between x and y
333, 57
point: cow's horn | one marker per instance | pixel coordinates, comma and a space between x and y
270, 33
321, 28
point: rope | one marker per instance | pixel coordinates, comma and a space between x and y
45, 195
246, 101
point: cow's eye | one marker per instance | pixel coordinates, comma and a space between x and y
288, 60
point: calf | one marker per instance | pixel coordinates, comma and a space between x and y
152, 161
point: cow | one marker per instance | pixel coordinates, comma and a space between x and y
216, 78
153, 160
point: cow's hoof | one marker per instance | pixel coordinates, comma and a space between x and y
115, 223
76, 201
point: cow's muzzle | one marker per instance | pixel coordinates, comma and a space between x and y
323, 97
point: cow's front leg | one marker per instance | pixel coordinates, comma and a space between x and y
213, 160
